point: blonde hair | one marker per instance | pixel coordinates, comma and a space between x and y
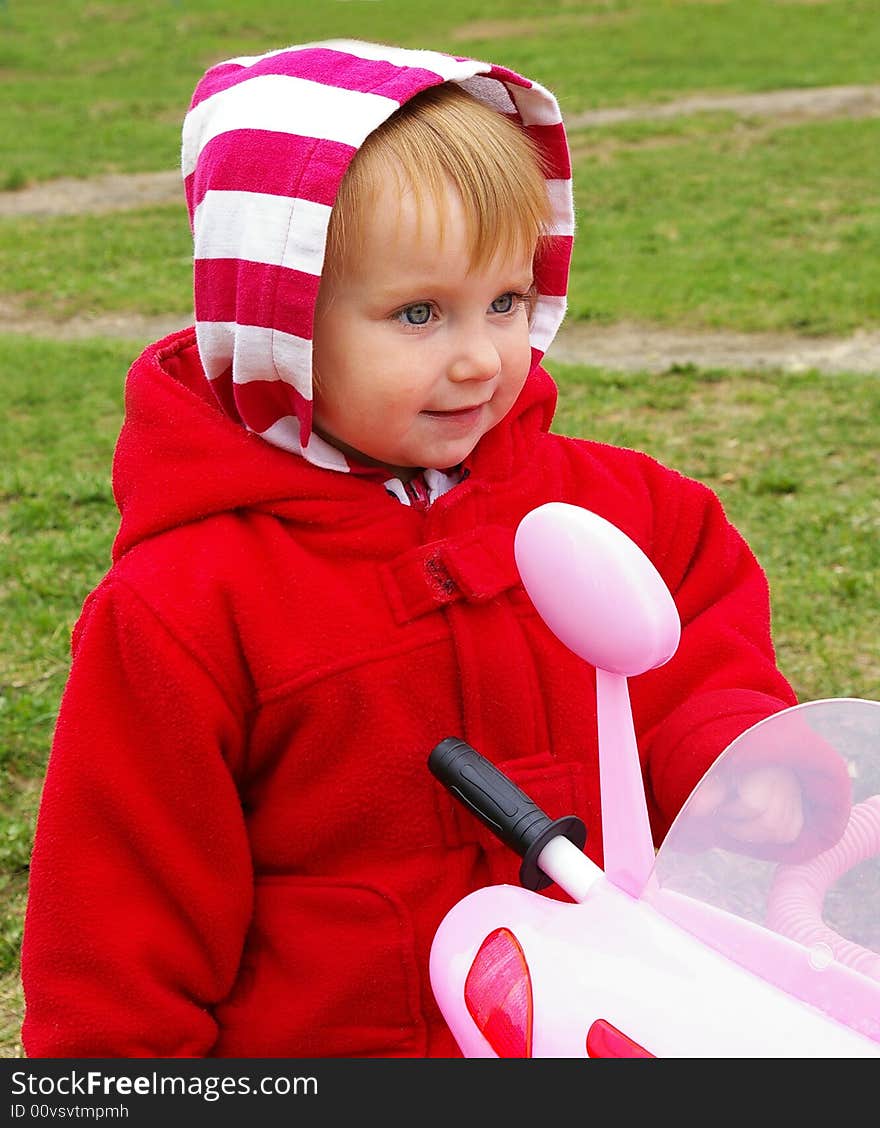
444, 137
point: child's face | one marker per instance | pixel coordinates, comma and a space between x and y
416, 356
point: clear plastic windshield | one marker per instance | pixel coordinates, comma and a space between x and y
775, 858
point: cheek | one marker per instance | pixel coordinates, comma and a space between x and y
519, 353
329, 401
518, 361
517, 365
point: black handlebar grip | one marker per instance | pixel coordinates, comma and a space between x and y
500, 805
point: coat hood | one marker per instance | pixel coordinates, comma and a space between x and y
266, 142
180, 458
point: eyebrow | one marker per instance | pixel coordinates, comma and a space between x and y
422, 287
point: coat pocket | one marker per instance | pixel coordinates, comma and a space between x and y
557, 788
329, 970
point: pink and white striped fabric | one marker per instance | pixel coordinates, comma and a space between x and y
266, 142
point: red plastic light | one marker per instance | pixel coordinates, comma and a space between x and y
498, 995
606, 1041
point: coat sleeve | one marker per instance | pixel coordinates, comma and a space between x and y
141, 886
724, 677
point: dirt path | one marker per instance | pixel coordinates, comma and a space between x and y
817, 103
626, 346
95, 196
649, 348
623, 346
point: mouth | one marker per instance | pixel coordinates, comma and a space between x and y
458, 413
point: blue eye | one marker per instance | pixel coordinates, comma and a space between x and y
418, 314
504, 303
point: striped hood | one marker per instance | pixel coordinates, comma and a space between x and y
266, 142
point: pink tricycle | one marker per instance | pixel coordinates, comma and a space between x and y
702, 950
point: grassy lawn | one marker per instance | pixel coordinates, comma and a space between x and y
794, 459
101, 85
700, 223
730, 223
56, 522
707, 221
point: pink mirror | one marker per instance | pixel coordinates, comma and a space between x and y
604, 599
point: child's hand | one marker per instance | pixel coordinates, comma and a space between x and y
763, 805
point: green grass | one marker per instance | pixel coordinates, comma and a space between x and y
771, 238
62, 413
712, 220
753, 228
794, 459
687, 223
707, 221
99, 86
140, 261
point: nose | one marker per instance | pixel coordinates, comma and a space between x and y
475, 356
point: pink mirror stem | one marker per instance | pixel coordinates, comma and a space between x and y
626, 832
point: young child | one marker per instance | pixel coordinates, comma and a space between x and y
240, 849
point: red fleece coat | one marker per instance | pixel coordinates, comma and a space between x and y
240, 850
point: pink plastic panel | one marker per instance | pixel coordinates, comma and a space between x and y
816, 897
